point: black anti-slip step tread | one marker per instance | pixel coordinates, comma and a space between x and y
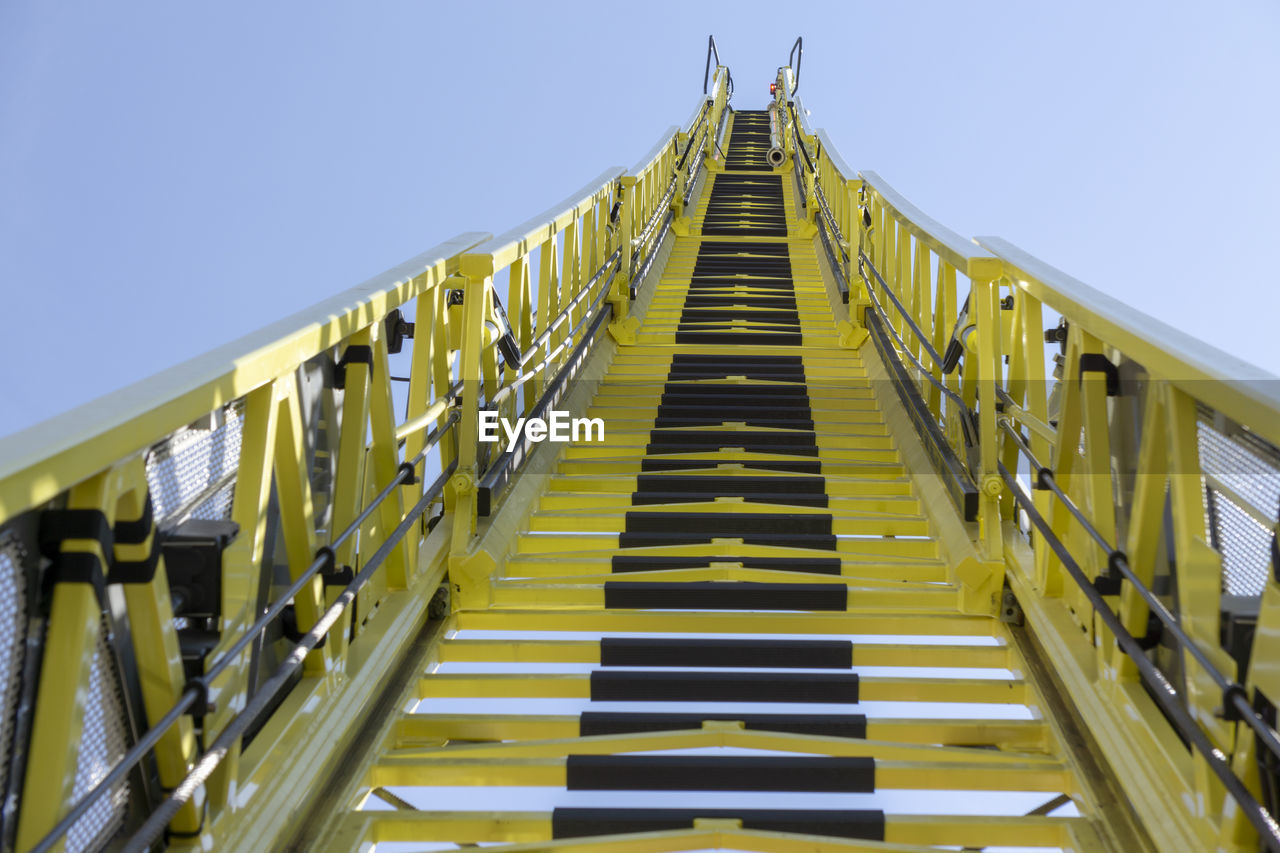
593, 723
831, 774
646, 539
755, 300
747, 445
742, 271
745, 229
729, 195
668, 421
730, 485
735, 408
736, 247
771, 339
639, 521
621, 685
791, 392
724, 595
717, 285
717, 359
758, 372
739, 328
776, 499
623, 563
866, 824
780, 498
743, 259
726, 438
745, 203
793, 442
758, 654
732, 411
776, 316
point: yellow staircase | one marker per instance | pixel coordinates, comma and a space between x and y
873, 538
740, 598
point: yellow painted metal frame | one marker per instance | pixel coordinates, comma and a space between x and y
93, 458
921, 261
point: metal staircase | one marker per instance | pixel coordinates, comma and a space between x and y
847, 570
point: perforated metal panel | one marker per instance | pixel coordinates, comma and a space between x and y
191, 473
1242, 490
103, 743
13, 632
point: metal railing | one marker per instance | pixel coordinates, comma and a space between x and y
1126, 437
323, 445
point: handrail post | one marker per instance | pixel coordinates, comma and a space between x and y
716, 109
627, 192
985, 273
477, 273
858, 300
677, 201
810, 182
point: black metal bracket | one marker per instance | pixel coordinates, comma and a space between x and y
1056, 335
354, 354
1107, 585
397, 330
200, 707
1096, 362
58, 525
955, 347
1275, 554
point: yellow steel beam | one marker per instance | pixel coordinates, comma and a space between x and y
418, 730
870, 689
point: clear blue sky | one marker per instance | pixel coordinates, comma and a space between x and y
174, 175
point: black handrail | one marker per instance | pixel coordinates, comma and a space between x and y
794, 61
906, 316
155, 823
1235, 700
1161, 690
795, 132
706, 72
842, 283
693, 131
957, 481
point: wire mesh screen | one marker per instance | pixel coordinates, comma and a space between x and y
192, 473
103, 743
1242, 475
13, 634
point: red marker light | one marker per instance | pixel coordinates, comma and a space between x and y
773, 88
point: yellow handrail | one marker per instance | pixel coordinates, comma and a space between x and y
45, 460
1131, 443
308, 402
